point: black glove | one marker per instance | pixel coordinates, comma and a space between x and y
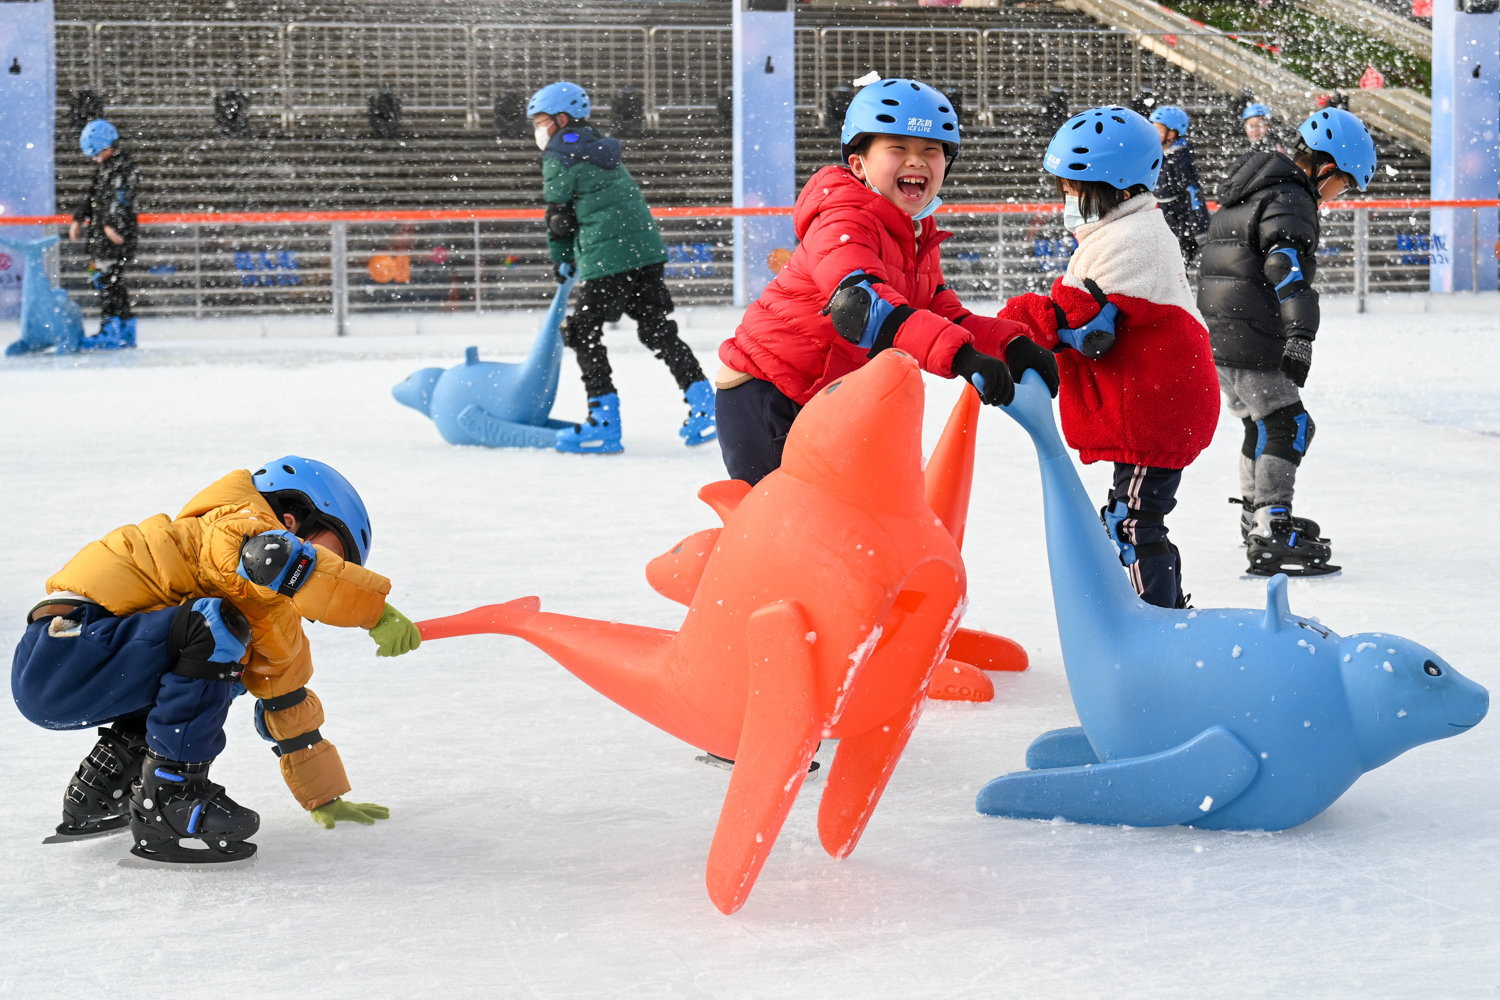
1023, 353
1296, 359
988, 375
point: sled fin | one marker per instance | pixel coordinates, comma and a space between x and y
1061, 748
779, 738
724, 496
1179, 785
949, 475
987, 651
492, 618
858, 776
1278, 605
954, 680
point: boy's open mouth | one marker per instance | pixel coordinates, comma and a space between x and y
912, 186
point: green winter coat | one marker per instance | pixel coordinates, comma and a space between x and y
615, 231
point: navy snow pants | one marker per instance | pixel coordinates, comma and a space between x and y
754, 419
110, 668
1150, 494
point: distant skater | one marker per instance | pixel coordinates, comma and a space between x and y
108, 210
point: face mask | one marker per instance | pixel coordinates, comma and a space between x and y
543, 137
932, 206
1073, 219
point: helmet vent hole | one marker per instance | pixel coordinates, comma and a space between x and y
889, 83
289, 470
892, 102
1077, 124
260, 472
1118, 119
943, 109
915, 87
1155, 162
1099, 127
1080, 149
948, 126
885, 118
1078, 166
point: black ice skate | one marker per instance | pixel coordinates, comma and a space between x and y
1304, 525
1275, 545
814, 769
96, 802
179, 817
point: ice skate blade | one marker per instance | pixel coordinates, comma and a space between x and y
814, 770
1296, 574
201, 866
69, 838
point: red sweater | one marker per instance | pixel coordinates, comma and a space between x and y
1153, 399
843, 227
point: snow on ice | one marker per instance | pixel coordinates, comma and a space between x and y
545, 843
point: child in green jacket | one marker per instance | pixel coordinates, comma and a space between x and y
598, 225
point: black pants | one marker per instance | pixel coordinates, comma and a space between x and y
1150, 493
114, 293
753, 420
643, 296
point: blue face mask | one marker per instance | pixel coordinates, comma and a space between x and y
1073, 218
932, 207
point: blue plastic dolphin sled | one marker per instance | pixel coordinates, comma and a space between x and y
1220, 719
492, 403
48, 317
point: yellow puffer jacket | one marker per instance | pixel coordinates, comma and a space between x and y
160, 563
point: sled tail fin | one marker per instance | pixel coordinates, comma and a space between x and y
950, 469
495, 619
987, 651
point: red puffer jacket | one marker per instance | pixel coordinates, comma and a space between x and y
1154, 398
844, 227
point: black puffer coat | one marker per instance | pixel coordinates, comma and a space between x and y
1266, 203
111, 202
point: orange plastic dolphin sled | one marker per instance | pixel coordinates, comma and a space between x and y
820, 611
949, 477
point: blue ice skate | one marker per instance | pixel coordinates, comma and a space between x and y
699, 427
1220, 719
599, 434
496, 404
114, 334
48, 317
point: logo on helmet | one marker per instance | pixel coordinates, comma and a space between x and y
919, 124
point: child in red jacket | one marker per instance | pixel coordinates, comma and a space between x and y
1139, 387
865, 277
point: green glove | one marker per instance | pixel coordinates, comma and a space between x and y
394, 633
364, 813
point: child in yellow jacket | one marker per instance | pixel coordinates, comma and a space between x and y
155, 627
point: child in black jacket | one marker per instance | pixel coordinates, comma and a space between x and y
1178, 190
108, 210
1255, 292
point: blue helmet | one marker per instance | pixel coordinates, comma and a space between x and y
1172, 117
561, 98
1256, 110
1114, 145
335, 504
97, 136
1344, 137
900, 107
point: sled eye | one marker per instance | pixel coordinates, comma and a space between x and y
833, 387
1432, 669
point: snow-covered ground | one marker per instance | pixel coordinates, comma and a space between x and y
545, 843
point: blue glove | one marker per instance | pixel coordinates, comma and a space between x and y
1193, 198
859, 313
278, 560
228, 646
565, 271
1096, 338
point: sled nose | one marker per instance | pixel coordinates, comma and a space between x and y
416, 391
1465, 703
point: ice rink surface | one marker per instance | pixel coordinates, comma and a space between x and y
544, 843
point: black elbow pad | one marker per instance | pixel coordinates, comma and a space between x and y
562, 221
1284, 271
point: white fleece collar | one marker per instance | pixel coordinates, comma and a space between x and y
1130, 206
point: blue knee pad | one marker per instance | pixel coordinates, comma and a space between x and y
1286, 433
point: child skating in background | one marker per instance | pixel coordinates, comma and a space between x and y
108, 212
1138, 381
1178, 190
1260, 129
154, 629
598, 225
1256, 293
864, 277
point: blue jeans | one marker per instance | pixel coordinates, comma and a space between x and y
118, 668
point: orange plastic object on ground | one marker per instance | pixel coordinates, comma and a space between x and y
822, 610
946, 486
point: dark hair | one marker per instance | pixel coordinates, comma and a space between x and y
1096, 199
1312, 160
293, 502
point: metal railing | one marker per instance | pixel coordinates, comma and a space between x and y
303, 69
341, 263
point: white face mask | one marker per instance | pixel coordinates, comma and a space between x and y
543, 136
1073, 219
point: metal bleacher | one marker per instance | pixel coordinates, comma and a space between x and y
309, 70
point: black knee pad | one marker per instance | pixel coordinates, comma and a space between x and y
1252, 439
1286, 433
